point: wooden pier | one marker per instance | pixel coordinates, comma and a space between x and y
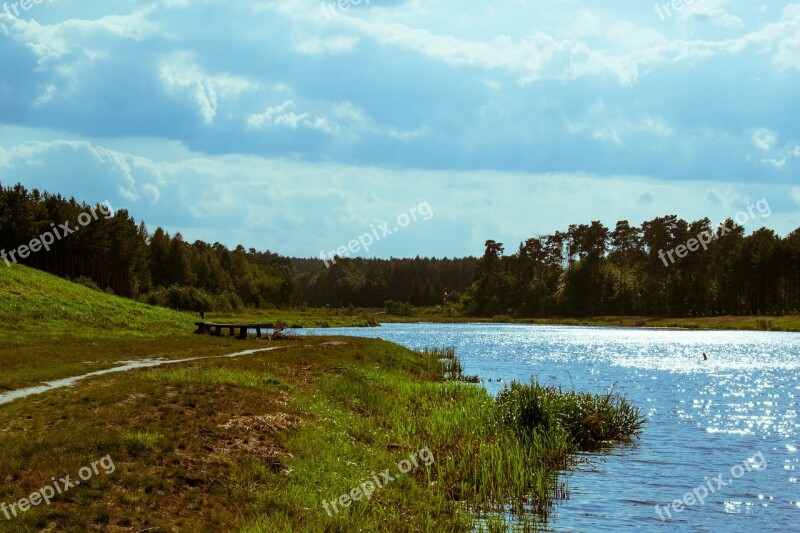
216, 329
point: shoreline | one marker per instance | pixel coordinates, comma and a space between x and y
280, 422
367, 317
768, 323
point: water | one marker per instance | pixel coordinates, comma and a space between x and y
705, 418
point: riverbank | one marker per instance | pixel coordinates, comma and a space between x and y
264, 442
316, 434
323, 318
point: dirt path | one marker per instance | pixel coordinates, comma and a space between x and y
128, 365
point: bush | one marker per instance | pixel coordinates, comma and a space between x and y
192, 299
399, 308
87, 282
764, 324
590, 420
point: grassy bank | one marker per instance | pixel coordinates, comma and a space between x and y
302, 318
51, 329
746, 323
260, 443
324, 318
270, 441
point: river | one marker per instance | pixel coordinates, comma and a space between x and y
727, 426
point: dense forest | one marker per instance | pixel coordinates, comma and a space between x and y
591, 271
114, 253
373, 282
586, 271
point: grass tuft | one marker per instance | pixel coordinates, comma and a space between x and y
591, 421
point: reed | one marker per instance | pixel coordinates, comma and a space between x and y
591, 421
451, 367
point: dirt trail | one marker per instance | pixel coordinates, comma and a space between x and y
128, 365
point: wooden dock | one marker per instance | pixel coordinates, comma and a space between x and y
216, 329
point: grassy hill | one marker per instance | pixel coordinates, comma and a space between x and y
33, 302
264, 442
51, 328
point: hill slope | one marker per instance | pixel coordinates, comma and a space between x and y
33, 302
51, 328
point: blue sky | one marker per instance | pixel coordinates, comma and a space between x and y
294, 127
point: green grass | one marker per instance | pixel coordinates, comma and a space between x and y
747, 323
215, 376
33, 303
302, 318
589, 420
51, 329
258, 443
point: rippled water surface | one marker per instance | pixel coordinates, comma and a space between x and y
705, 417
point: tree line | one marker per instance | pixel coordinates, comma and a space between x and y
421, 282
119, 255
590, 270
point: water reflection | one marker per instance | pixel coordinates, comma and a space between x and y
704, 416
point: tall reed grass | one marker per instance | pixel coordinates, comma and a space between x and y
497, 462
503, 455
591, 421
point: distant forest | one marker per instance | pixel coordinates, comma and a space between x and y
593, 271
119, 255
588, 270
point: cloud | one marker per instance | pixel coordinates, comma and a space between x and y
281, 116
565, 98
304, 207
709, 11
107, 172
764, 139
182, 77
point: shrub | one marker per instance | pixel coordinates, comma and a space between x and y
181, 298
399, 308
87, 282
590, 420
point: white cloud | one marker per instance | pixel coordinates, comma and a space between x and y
116, 169
777, 163
611, 124
50, 42
280, 116
181, 76
305, 207
709, 11
764, 139
623, 49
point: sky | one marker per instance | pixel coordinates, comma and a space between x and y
296, 126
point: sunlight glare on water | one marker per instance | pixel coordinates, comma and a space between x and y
705, 417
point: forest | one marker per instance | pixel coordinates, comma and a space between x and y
589, 270
121, 256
